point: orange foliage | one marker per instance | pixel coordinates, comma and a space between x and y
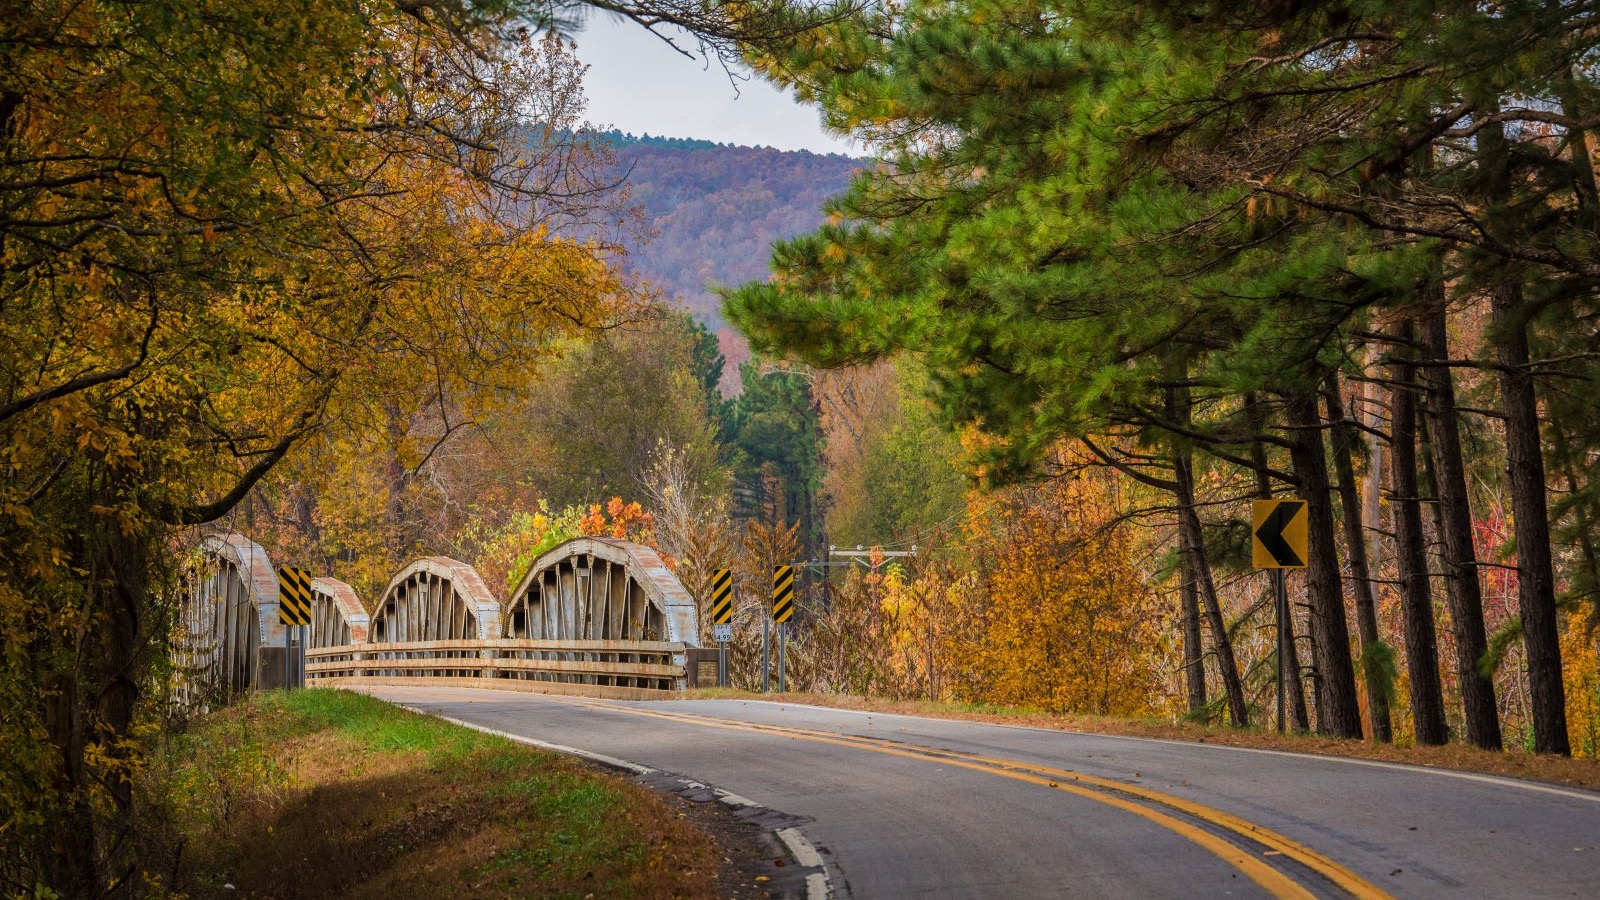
624, 521
1580, 664
1068, 622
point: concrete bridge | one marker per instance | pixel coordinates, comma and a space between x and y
593, 616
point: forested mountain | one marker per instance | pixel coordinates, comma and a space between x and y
713, 210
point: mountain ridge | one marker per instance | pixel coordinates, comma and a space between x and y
712, 210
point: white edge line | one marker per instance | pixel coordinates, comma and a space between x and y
1502, 781
601, 758
734, 799
818, 887
804, 854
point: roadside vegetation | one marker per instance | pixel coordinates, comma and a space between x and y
1116, 269
325, 793
1532, 766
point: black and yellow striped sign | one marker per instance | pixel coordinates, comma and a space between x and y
782, 593
721, 596
294, 596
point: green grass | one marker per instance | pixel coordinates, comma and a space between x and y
325, 793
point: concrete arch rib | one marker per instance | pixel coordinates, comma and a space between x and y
337, 615
232, 639
597, 588
261, 579
435, 598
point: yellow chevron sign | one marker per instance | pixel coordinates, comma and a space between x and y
721, 596
1278, 534
294, 596
782, 593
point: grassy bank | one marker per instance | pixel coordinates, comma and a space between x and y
323, 793
1576, 772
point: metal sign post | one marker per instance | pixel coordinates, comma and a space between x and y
1280, 604
1277, 542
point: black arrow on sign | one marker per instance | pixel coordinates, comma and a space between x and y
1270, 534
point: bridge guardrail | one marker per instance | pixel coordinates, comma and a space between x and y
634, 670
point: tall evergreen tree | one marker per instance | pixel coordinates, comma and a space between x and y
1074, 194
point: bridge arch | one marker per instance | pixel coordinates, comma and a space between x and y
230, 640
435, 599
605, 589
337, 616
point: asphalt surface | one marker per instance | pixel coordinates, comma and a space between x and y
904, 806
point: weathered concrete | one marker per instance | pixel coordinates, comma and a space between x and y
609, 618
231, 640
628, 593
337, 614
436, 598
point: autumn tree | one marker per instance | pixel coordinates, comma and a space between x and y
891, 473
222, 227
1069, 623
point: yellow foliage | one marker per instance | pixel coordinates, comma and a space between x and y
239, 236
1580, 670
1067, 623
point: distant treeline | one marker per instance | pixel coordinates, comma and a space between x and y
714, 210
620, 139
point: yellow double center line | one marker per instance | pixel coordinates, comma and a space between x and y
1101, 790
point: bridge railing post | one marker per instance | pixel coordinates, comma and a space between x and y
681, 660
490, 654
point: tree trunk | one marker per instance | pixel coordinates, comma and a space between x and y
1194, 673
1299, 715
1345, 440
89, 713
1192, 540
1194, 670
1372, 489
1454, 516
1583, 183
68, 854
1416, 595
1294, 681
1536, 595
1222, 645
1338, 712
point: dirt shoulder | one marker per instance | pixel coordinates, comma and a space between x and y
1555, 770
323, 793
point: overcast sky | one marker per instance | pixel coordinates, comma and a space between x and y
637, 83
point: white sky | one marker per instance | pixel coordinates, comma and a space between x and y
637, 83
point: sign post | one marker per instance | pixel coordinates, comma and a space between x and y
722, 619
294, 611
1278, 542
782, 610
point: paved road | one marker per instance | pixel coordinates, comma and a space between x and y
905, 806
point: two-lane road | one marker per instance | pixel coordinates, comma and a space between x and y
906, 806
